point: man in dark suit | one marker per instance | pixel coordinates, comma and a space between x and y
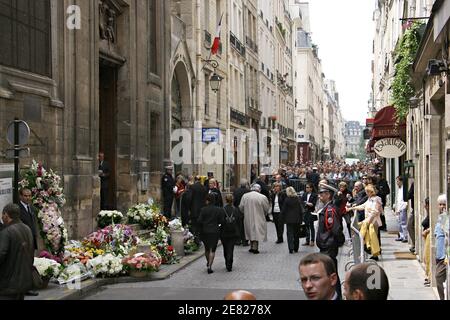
28, 216
168, 191
28, 213
198, 201
104, 172
237, 196
309, 200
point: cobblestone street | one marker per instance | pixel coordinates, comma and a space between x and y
270, 275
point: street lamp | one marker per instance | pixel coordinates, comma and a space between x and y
215, 82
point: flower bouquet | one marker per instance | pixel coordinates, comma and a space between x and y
73, 273
176, 225
117, 239
106, 266
48, 197
44, 185
148, 216
167, 253
47, 269
52, 228
140, 265
106, 218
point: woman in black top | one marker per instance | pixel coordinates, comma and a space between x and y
229, 231
209, 221
292, 216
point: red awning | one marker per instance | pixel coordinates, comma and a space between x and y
369, 122
385, 125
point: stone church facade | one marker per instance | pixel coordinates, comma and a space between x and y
102, 86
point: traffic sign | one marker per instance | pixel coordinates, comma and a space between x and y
24, 133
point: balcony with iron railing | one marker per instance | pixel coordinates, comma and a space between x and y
238, 117
236, 44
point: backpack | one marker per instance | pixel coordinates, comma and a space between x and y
229, 219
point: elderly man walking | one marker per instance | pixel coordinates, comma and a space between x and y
254, 206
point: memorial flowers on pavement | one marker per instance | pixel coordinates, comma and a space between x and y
48, 197
107, 218
149, 262
117, 239
106, 265
47, 268
146, 215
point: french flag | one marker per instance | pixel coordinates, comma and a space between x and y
216, 43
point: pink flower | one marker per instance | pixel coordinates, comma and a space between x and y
139, 266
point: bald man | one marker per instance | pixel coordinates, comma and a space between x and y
240, 295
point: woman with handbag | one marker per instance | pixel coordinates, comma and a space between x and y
292, 216
229, 230
209, 220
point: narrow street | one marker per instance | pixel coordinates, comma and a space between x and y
271, 275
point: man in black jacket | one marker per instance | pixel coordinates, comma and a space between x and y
16, 255
314, 178
28, 214
309, 200
168, 191
330, 235
237, 196
198, 201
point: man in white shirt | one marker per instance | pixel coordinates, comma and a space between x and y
401, 212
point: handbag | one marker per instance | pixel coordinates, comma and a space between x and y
302, 231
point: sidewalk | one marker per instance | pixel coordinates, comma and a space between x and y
63, 292
406, 277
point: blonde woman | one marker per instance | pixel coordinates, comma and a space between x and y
292, 216
369, 227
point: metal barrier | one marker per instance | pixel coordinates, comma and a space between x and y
357, 252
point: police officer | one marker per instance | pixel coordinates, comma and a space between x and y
330, 235
168, 191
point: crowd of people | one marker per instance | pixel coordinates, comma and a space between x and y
326, 198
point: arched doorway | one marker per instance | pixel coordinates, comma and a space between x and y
181, 107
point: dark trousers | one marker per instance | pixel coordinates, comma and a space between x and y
228, 250
441, 276
242, 230
310, 231
167, 209
332, 252
195, 229
184, 216
293, 236
279, 226
104, 198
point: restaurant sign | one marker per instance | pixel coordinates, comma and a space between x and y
390, 148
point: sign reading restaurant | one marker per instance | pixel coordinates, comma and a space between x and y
390, 148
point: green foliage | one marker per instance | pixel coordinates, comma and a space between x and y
402, 88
